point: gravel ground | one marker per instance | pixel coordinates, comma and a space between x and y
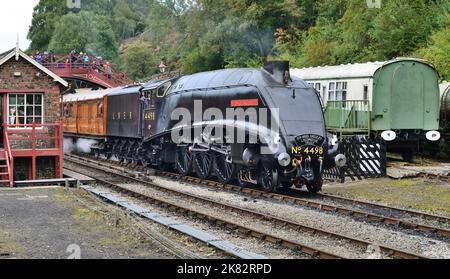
336, 223
329, 244
43, 223
339, 224
249, 244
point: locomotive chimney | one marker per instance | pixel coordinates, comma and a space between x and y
279, 70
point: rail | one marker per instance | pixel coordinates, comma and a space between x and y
94, 65
348, 117
46, 133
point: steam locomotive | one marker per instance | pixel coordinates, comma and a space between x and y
245, 126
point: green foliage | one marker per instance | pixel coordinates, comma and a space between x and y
45, 16
438, 51
202, 35
138, 61
85, 32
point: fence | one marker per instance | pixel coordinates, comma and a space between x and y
366, 158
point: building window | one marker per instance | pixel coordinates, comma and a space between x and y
25, 109
366, 93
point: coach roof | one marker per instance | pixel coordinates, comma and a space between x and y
364, 70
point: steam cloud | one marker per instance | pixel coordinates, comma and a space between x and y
80, 146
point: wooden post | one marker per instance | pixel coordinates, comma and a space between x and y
33, 152
61, 149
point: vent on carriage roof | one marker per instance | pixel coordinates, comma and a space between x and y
279, 70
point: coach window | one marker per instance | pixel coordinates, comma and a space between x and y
163, 90
366, 93
318, 87
331, 92
341, 91
100, 109
25, 109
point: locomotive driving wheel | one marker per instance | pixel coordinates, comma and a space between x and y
183, 160
203, 164
269, 179
225, 170
241, 173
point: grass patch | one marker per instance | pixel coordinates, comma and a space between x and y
414, 194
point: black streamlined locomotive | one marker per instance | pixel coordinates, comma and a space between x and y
249, 126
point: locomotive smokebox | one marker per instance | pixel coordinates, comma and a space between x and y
279, 70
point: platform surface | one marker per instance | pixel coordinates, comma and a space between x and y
51, 223
78, 176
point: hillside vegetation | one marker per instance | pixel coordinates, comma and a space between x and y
200, 35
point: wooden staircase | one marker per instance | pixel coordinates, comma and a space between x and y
6, 164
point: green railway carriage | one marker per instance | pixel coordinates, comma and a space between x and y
398, 100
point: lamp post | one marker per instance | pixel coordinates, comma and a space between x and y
162, 68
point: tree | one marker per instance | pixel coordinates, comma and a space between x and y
85, 32
45, 16
138, 61
438, 51
401, 28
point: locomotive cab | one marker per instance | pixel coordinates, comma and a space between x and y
151, 101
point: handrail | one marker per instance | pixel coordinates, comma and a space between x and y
108, 71
34, 130
10, 158
351, 116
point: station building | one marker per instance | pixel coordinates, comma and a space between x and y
31, 141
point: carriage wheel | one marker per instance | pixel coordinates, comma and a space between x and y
203, 164
269, 179
183, 160
225, 171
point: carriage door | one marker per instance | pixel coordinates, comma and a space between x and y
148, 100
407, 98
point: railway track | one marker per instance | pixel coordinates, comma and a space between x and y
311, 251
391, 209
297, 198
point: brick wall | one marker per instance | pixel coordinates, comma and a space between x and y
22, 169
45, 167
32, 80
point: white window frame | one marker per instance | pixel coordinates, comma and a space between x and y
331, 91
25, 116
341, 91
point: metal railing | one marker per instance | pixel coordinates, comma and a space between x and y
106, 71
348, 117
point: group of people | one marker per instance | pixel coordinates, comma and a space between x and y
45, 57
76, 60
